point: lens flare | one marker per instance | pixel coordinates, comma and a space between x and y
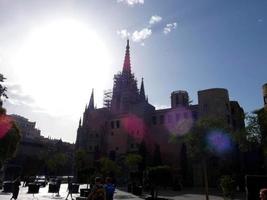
219, 142
134, 126
5, 125
179, 121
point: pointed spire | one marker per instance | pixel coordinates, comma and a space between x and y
127, 61
142, 90
80, 122
91, 102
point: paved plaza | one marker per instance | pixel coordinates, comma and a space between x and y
43, 194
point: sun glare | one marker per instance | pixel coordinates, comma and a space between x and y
59, 62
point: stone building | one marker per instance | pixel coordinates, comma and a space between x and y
30, 143
34, 149
128, 118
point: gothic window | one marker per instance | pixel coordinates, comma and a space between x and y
176, 100
233, 111
234, 124
227, 106
112, 124
194, 115
111, 133
205, 107
118, 124
161, 119
154, 120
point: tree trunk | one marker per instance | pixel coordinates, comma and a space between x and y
204, 165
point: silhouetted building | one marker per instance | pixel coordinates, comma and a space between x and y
127, 118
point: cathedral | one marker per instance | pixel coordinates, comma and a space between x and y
127, 119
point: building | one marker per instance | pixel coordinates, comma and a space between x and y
34, 150
127, 118
30, 143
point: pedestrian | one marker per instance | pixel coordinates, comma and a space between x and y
15, 192
110, 188
58, 183
263, 194
69, 188
98, 191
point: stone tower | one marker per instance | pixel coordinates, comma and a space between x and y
179, 98
125, 91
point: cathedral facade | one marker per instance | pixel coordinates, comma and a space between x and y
128, 119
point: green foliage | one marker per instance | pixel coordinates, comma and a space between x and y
83, 166
227, 185
157, 156
254, 134
132, 160
9, 143
108, 167
196, 138
198, 149
56, 162
3, 89
253, 129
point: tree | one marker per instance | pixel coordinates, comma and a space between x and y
143, 153
9, 132
132, 162
56, 162
84, 167
109, 167
158, 176
157, 156
198, 148
9, 142
3, 89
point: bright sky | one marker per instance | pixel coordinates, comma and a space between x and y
54, 52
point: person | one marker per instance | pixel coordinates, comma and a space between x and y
69, 188
58, 183
263, 194
16, 184
110, 189
98, 191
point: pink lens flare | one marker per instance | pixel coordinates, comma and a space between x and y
134, 126
5, 125
179, 121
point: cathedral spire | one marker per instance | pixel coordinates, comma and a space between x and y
142, 90
127, 61
91, 105
80, 122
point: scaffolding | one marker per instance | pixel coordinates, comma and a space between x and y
107, 99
